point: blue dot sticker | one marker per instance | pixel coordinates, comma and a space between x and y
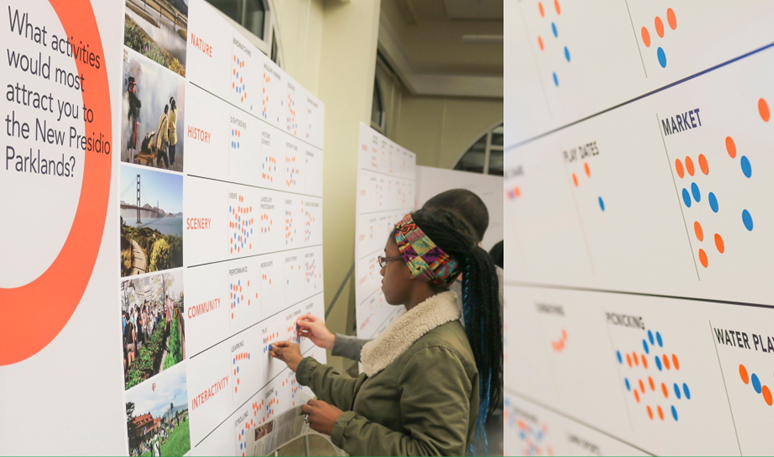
677, 391
556, 80
645, 347
659, 340
695, 192
674, 412
628, 387
746, 168
661, 57
686, 391
618, 355
601, 204
713, 202
747, 220
756, 383
650, 336
686, 197
658, 363
566, 53
553, 29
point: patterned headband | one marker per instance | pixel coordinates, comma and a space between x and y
422, 256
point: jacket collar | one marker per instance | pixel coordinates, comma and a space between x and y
380, 352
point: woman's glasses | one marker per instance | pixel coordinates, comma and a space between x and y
383, 261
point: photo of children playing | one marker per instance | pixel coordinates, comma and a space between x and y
157, 416
153, 328
153, 114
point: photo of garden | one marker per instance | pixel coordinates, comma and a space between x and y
158, 30
153, 328
151, 220
157, 415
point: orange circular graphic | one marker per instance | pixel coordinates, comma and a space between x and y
671, 18
766, 395
556, 6
540, 8
703, 258
703, 165
675, 362
22, 337
575, 179
743, 374
731, 147
645, 37
679, 168
664, 390
763, 109
660, 413
540, 42
659, 27
689, 165
698, 230
719, 243
586, 167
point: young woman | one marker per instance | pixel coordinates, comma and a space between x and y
428, 386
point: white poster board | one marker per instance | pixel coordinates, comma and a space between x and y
189, 210
432, 181
639, 227
386, 191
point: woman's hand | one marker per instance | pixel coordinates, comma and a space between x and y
288, 352
321, 416
314, 328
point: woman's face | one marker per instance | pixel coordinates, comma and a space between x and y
397, 282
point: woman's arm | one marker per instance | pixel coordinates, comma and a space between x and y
434, 408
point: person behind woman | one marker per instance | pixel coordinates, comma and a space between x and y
428, 382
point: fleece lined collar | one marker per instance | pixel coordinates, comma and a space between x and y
437, 310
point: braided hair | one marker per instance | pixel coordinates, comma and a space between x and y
480, 299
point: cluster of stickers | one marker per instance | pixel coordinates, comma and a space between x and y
221, 185
386, 192
638, 229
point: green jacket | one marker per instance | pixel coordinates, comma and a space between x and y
424, 403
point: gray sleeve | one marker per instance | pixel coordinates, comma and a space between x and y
348, 347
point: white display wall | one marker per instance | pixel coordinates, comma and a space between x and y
638, 227
386, 191
187, 205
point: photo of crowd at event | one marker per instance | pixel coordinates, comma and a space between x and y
152, 324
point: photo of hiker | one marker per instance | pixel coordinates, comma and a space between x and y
153, 113
158, 29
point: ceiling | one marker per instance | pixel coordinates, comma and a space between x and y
423, 41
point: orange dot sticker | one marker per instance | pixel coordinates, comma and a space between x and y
664, 390
703, 165
689, 165
719, 243
642, 386
644, 361
743, 374
699, 232
540, 42
675, 362
671, 18
763, 109
556, 6
652, 385
766, 395
586, 167
703, 258
645, 37
575, 179
540, 8
660, 413
650, 413
659, 27
731, 147
637, 396
679, 168
665, 359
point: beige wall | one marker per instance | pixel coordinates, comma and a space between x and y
440, 129
300, 26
